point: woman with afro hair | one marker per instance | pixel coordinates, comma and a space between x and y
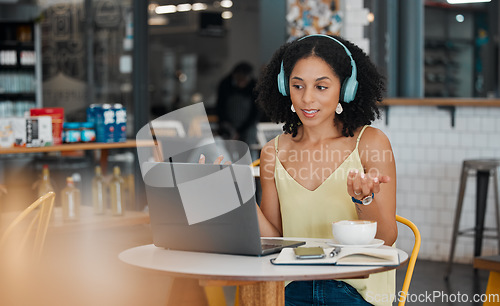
329, 164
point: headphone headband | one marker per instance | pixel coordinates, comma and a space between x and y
349, 86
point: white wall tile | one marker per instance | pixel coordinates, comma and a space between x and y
439, 138
352, 4
428, 187
459, 155
354, 29
488, 124
460, 124
452, 139
446, 154
453, 171
356, 17
493, 140
424, 201
480, 140
474, 124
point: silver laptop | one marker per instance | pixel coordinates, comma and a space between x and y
206, 208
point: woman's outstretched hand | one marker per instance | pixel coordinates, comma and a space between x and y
360, 185
217, 161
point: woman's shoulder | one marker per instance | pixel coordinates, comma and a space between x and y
280, 142
373, 137
269, 149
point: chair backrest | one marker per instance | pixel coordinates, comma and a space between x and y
412, 260
267, 131
40, 211
168, 128
199, 126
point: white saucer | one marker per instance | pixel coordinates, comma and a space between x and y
375, 243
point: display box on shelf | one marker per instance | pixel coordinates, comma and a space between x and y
26, 132
57, 115
105, 124
6, 133
32, 131
120, 133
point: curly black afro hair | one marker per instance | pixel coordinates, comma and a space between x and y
361, 111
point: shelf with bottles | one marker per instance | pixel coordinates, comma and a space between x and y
20, 77
16, 106
447, 68
16, 82
71, 198
18, 68
17, 45
17, 58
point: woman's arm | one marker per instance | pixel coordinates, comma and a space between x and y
269, 213
379, 178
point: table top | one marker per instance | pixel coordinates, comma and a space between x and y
210, 266
78, 146
491, 263
87, 221
90, 221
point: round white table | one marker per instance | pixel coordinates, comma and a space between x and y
259, 280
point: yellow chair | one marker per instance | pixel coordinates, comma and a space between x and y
412, 260
41, 219
490, 263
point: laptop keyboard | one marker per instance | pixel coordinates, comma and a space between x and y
270, 246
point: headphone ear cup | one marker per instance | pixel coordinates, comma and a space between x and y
282, 82
349, 89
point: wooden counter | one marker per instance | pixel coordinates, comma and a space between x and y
442, 102
103, 147
447, 104
77, 147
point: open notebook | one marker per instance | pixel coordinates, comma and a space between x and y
346, 257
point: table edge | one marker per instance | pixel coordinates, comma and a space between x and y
345, 275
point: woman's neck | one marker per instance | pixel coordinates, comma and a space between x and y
318, 134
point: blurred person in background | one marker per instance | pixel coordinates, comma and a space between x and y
236, 109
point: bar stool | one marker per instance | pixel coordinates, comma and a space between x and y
484, 169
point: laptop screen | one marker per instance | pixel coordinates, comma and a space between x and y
203, 207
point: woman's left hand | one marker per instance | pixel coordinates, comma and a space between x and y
360, 185
217, 161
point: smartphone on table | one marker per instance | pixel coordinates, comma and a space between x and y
309, 252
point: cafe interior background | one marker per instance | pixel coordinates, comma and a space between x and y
441, 62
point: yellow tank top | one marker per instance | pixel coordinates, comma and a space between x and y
306, 213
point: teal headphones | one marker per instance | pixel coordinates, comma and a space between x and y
349, 87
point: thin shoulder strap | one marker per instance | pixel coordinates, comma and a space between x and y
276, 144
359, 136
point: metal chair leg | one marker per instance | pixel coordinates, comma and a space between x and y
497, 205
458, 212
483, 178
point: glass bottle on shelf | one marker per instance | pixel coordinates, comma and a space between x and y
98, 192
44, 185
117, 193
70, 201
